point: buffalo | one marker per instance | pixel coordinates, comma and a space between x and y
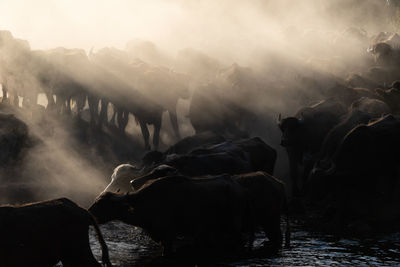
266, 201
220, 105
391, 96
44, 233
189, 143
337, 133
183, 146
231, 157
359, 181
137, 83
371, 105
14, 138
303, 134
210, 212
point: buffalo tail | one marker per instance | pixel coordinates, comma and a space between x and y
104, 249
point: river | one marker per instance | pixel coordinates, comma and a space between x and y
129, 247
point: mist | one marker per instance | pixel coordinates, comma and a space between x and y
224, 27
286, 53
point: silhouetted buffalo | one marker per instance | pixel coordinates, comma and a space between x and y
15, 67
183, 146
232, 157
210, 212
359, 182
371, 105
225, 105
141, 89
189, 143
13, 138
44, 233
266, 201
335, 136
303, 134
391, 96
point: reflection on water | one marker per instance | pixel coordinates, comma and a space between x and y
131, 247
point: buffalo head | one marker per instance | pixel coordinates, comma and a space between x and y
110, 206
121, 177
158, 172
291, 131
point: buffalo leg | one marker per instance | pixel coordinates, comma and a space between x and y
25, 102
60, 101
156, 135
93, 108
119, 120
122, 119
16, 99
125, 118
4, 88
68, 105
293, 170
112, 121
50, 101
273, 231
80, 104
304, 176
174, 123
168, 248
77, 251
145, 133
103, 111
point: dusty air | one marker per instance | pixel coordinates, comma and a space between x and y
199, 133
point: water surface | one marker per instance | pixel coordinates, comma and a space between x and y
129, 247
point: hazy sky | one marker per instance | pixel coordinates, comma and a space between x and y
233, 27
173, 24
50, 23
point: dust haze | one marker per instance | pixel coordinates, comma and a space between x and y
266, 57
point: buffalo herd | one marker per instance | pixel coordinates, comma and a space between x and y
210, 192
